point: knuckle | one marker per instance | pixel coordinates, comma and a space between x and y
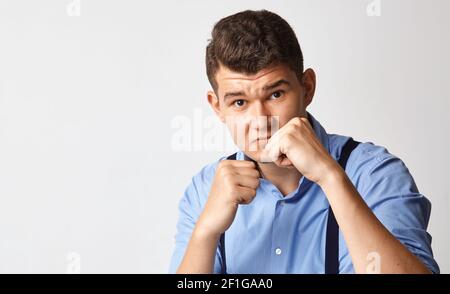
228, 179
250, 163
297, 121
290, 137
222, 164
294, 128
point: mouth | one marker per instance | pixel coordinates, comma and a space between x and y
262, 139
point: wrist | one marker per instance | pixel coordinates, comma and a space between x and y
204, 232
333, 175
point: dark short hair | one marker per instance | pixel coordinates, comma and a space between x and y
250, 41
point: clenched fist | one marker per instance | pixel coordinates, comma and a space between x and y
235, 182
296, 145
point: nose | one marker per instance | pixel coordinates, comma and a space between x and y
258, 109
259, 117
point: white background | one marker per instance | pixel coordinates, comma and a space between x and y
88, 172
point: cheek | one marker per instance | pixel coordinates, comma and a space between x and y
238, 128
288, 110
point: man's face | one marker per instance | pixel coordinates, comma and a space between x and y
256, 106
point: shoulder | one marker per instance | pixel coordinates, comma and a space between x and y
365, 150
384, 181
373, 166
366, 156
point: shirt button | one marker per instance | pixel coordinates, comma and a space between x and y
278, 251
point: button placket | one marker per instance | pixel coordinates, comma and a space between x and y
278, 246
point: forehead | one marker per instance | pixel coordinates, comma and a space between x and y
231, 80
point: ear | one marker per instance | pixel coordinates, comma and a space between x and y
213, 100
309, 84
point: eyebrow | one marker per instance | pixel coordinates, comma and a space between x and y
265, 89
276, 84
233, 94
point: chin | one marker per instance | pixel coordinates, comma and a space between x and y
254, 151
255, 155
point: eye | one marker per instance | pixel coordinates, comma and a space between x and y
239, 103
276, 95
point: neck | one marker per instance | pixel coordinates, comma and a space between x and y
285, 179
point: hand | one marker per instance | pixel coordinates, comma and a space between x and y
235, 182
296, 145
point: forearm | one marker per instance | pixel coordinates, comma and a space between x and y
363, 232
200, 253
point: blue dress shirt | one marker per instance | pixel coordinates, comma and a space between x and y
276, 234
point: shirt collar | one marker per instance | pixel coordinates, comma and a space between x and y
320, 131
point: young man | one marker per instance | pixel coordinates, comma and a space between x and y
324, 204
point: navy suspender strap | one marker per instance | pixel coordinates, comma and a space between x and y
332, 237
332, 240
232, 156
222, 237
222, 253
